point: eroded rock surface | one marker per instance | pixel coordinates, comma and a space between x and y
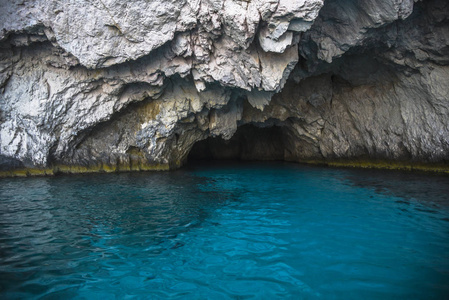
112, 85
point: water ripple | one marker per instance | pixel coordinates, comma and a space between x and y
251, 231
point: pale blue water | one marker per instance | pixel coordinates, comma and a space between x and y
226, 231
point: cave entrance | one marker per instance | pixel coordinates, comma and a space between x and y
248, 143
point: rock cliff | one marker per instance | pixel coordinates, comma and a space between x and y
109, 85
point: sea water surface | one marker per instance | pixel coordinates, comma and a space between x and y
226, 231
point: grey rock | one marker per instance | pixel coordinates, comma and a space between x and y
111, 85
275, 45
344, 24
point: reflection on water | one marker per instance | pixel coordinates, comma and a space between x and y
263, 230
432, 189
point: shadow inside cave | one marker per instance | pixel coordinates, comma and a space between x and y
248, 143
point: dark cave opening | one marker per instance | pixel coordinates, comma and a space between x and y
248, 143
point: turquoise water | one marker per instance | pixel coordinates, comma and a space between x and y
226, 231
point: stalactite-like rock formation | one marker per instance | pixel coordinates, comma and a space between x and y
102, 85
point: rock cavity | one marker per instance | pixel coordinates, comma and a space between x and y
104, 85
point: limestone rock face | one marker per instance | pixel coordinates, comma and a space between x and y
133, 85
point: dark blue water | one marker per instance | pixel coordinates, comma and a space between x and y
227, 231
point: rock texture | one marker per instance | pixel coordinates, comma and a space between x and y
107, 85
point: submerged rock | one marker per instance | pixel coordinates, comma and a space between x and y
107, 85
